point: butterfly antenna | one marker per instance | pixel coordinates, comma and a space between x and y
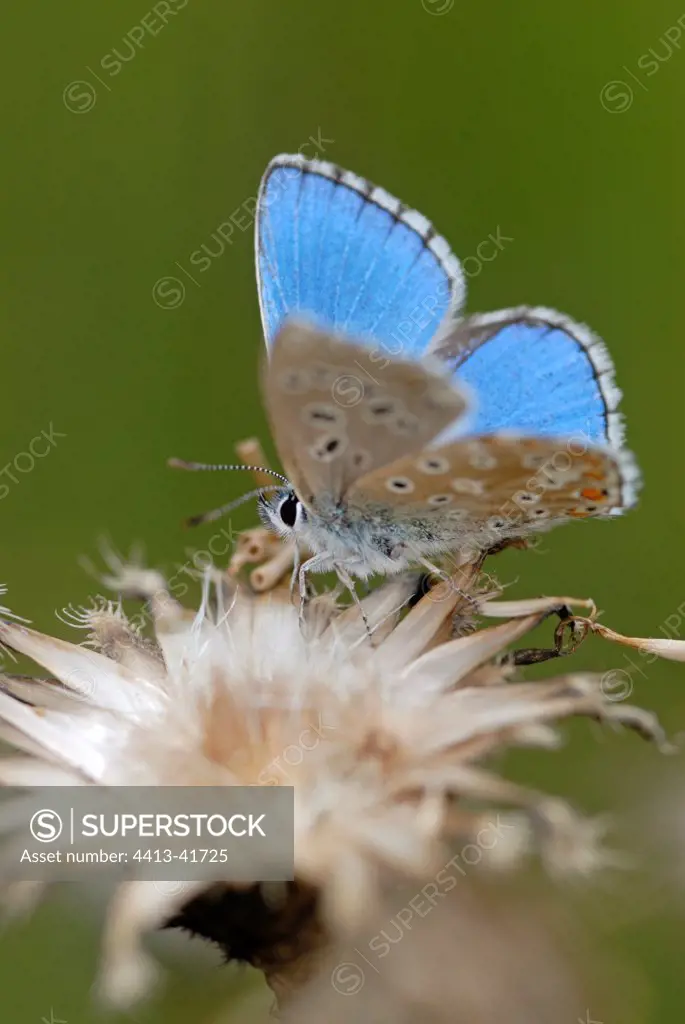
197, 466
217, 513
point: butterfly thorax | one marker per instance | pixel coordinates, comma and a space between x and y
374, 540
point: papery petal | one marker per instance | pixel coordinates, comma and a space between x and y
673, 650
449, 663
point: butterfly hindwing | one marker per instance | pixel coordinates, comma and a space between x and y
506, 484
537, 372
336, 416
350, 256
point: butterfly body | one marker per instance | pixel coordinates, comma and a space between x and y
361, 541
365, 540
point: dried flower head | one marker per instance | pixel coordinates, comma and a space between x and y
381, 726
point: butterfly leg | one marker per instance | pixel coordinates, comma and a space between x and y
434, 569
445, 576
296, 570
310, 565
347, 581
511, 542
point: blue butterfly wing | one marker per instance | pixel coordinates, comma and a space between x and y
536, 371
333, 248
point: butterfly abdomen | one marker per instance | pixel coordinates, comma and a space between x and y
375, 540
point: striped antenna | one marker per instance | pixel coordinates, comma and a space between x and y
217, 513
197, 466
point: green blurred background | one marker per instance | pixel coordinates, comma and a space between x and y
546, 121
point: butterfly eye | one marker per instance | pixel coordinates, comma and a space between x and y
289, 510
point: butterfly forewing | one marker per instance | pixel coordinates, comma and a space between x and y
502, 483
334, 246
338, 412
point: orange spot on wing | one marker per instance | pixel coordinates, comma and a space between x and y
592, 493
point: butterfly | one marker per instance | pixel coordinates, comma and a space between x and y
408, 431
